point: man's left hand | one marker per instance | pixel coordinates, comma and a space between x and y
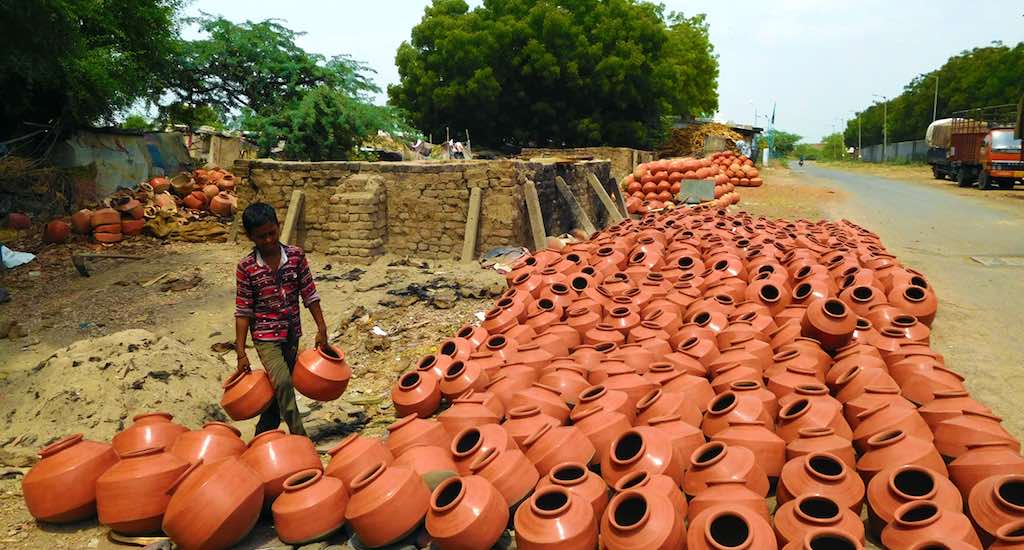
321, 339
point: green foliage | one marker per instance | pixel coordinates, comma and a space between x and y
555, 72
137, 122
783, 143
992, 75
80, 62
320, 107
806, 150
832, 147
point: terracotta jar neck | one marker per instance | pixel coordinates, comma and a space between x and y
1009, 494
629, 511
913, 483
727, 531
825, 467
817, 510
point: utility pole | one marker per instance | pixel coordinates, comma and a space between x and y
935, 104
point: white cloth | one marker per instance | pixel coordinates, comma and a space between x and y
13, 258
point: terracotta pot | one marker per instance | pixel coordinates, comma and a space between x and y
894, 487
387, 504
768, 448
724, 526
914, 300
311, 508
435, 365
215, 441
410, 431
105, 216
555, 518
1009, 537
466, 513
704, 350
247, 393
732, 492
658, 402
923, 519
695, 389
808, 412
148, 430
131, 496
471, 442
213, 505
886, 417
996, 501
948, 404
485, 398
354, 454
637, 519
416, 393
222, 204
952, 435
550, 446
56, 231
823, 440
196, 200
895, 448
465, 413
784, 383
321, 374
433, 464
809, 511
460, 377
799, 358
643, 448
525, 420
275, 456
855, 381
575, 477
684, 437
613, 400
872, 397
831, 539
601, 427
61, 487
821, 473
80, 221
829, 322
511, 473
546, 398
717, 460
569, 380
729, 407
983, 460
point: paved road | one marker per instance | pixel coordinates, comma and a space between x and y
937, 231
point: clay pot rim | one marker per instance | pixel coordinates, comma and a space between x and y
891, 481
548, 490
465, 331
632, 432
1000, 499
886, 438
219, 424
745, 385
698, 453
728, 394
941, 394
665, 418
302, 479
632, 480
715, 517
368, 475
835, 308
441, 488
785, 355
798, 501
849, 375
139, 453
161, 414
802, 405
184, 475
813, 534
581, 413
237, 377
619, 500
61, 444
994, 444
394, 426
815, 431
809, 388
552, 475
348, 439
650, 397
265, 437
919, 293
1011, 532
824, 455
593, 392
904, 509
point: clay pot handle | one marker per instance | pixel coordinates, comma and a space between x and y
60, 445
188, 471
537, 434
483, 459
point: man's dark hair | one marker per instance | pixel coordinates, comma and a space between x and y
257, 214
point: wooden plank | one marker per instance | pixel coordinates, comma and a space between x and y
291, 220
472, 226
614, 215
580, 217
536, 218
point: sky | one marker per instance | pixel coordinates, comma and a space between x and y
816, 60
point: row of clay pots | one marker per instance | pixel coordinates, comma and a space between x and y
800, 350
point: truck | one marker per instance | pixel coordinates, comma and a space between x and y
978, 145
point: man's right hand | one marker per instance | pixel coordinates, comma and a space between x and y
243, 362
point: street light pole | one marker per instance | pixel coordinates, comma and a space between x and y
935, 104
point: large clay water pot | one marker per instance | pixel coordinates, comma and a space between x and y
466, 513
354, 454
213, 505
275, 456
311, 508
636, 519
61, 487
131, 497
148, 430
321, 373
387, 503
247, 393
555, 518
215, 441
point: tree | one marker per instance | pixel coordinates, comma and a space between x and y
782, 142
982, 77
256, 75
81, 62
832, 147
555, 72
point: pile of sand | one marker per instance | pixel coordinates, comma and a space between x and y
96, 386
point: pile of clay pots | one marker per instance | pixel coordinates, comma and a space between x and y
206, 488
650, 387
655, 185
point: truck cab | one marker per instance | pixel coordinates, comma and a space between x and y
1002, 163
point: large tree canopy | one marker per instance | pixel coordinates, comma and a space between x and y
81, 62
981, 77
560, 72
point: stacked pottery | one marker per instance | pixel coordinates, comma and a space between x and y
213, 505
275, 456
61, 487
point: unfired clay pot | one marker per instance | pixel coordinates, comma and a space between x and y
61, 487
387, 503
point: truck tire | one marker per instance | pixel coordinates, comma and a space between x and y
984, 181
1006, 183
937, 174
963, 178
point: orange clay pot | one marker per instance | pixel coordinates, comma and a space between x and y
550, 446
724, 526
247, 393
61, 487
416, 393
215, 441
717, 460
131, 496
509, 471
996, 501
472, 441
923, 519
601, 427
809, 511
311, 508
410, 431
148, 430
466, 513
555, 518
895, 448
354, 454
768, 448
575, 477
894, 487
321, 374
732, 492
432, 463
983, 460
636, 519
387, 504
642, 448
275, 456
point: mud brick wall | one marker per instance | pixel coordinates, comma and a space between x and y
623, 159
360, 210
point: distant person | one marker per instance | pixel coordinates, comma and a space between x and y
459, 150
269, 282
801, 160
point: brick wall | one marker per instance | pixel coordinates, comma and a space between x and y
623, 159
360, 210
